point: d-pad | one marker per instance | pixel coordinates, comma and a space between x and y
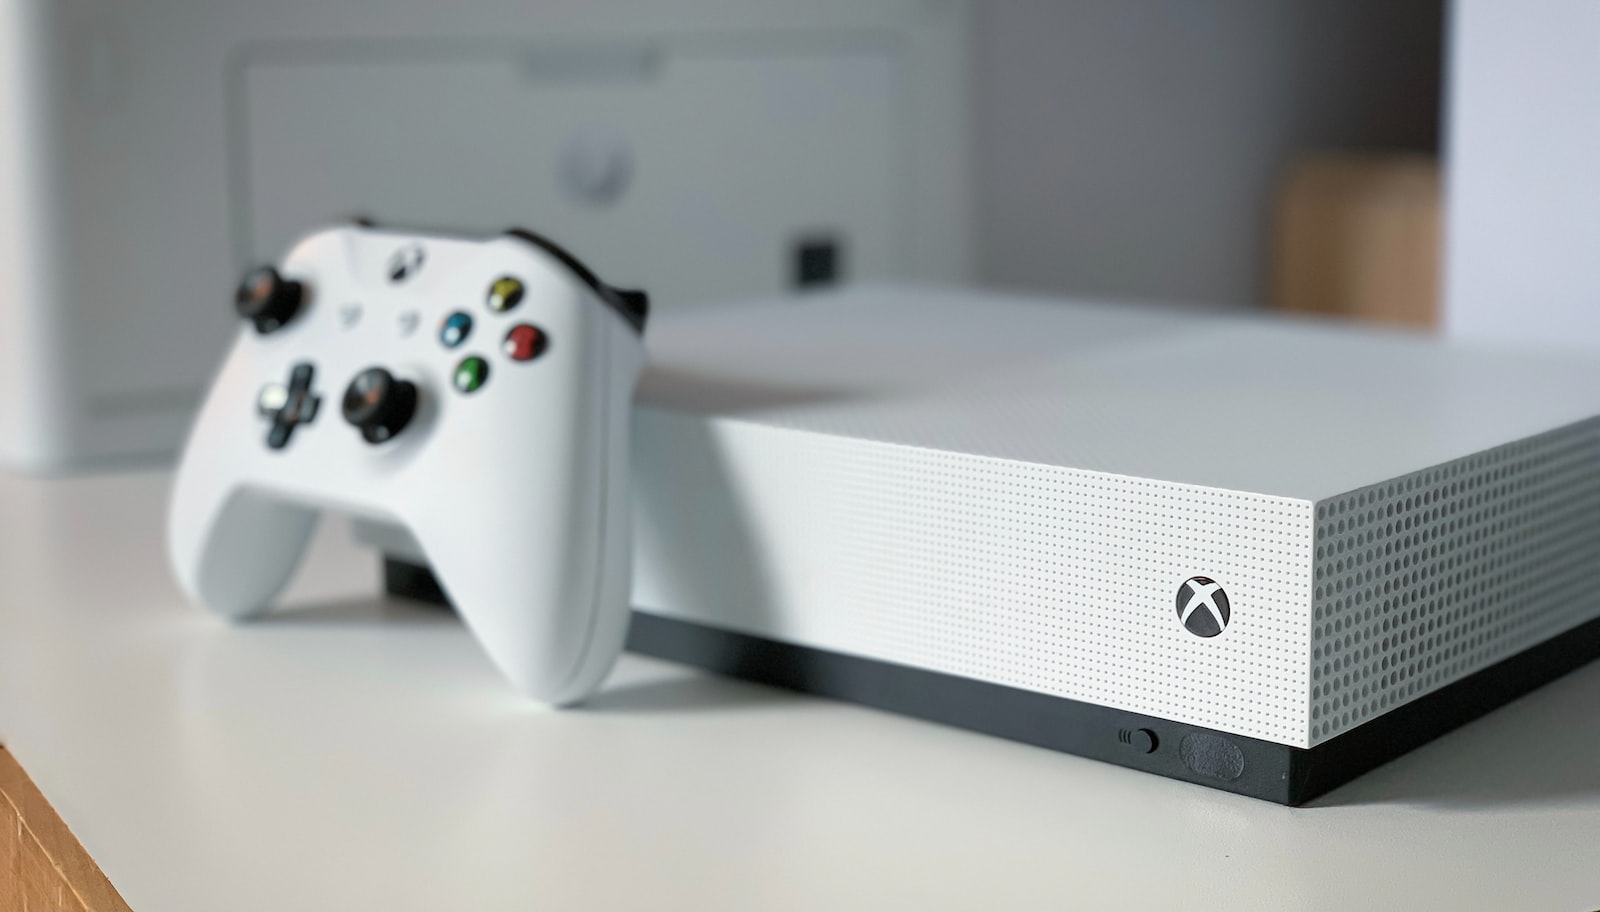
290, 406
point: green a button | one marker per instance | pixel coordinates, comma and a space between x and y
471, 373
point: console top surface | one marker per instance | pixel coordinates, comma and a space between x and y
1292, 407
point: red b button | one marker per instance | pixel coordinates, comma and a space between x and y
525, 342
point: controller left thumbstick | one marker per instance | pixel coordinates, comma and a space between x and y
267, 299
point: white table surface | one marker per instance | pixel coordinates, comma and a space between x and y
349, 753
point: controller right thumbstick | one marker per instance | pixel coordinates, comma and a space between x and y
379, 404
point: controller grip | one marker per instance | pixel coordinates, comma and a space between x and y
539, 609
234, 549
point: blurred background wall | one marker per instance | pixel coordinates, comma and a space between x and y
1282, 153
1135, 148
1524, 139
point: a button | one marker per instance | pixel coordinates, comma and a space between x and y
288, 407
525, 342
349, 315
379, 404
455, 329
471, 374
505, 294
267, 299
409, 320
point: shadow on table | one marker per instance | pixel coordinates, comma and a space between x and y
678, 689
1543, 749
357, 612
695, 692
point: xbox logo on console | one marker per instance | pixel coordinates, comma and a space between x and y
1203, 606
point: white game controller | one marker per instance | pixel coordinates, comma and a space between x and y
485, 389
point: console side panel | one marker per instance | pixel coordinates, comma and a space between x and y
1433, 576
1032, 576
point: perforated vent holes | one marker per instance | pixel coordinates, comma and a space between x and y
1034, 576
1431, 577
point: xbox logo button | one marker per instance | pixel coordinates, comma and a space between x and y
1203, 606
406, 262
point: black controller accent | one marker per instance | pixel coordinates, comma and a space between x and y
267, 299
289, 408
379, 404
632, 306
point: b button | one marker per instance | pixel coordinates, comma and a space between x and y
525, 342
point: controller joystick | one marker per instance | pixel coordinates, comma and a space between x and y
267, 299
378, 404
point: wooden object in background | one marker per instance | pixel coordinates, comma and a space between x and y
42, 866
1358, 235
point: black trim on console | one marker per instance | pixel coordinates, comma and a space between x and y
632, 306
1259, 769
1377, 741
1096, 732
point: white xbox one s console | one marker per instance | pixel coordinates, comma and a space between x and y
483, 392
1261, 554
705, 149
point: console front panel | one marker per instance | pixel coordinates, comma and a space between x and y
1052, 580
